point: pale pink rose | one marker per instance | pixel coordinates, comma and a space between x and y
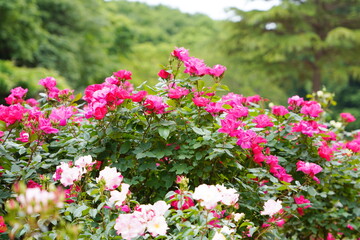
228, 195
129, 227
238, 216
208, 195
227, 230
111, 177
70, 175
118, 198
157, 226
271, 207
34, 200
160, 207
84, 161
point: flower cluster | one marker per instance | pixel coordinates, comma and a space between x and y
53, 92
182, 127
68, 173
148, 218
309, 168
210, 195
195, 66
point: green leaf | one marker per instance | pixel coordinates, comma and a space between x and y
201, 84
2, 126
93, 213
77, 98
227, 106
125, 147
180, 168
251, 176
164, 132
198, 130
79, 211
312, 191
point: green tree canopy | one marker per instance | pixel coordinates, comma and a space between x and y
299, 44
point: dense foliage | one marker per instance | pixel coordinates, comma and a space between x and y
301, 45
179, 162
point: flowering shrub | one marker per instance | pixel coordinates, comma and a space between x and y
177, 161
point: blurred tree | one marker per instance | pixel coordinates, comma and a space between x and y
299, 44
348, 100
12, 76
21, 31
78, 36
71, 36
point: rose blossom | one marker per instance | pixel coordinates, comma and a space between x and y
157, 226
164, 74
302, 200
271, 207
347, 117
117, 198
279, 110
208, 195
129, 226
309, 168
123, 75
111, 177
3, 227
263, 121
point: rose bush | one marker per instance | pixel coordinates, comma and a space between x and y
182, 160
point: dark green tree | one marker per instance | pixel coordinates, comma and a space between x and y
21, 30
70, 36
299, 44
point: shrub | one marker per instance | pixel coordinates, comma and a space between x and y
176, 162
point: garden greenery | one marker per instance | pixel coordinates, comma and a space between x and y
185, 160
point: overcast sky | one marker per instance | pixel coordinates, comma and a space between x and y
214, 8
